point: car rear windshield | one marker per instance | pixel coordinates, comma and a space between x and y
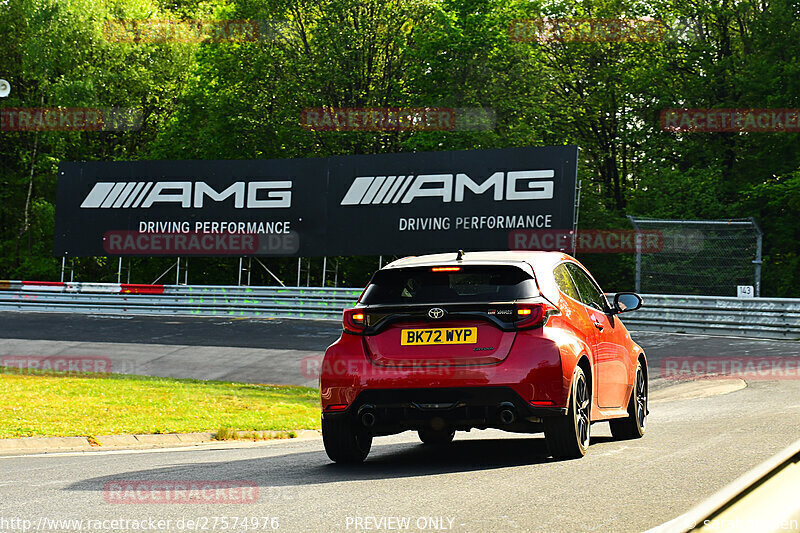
426, 285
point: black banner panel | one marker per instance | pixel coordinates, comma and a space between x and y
391, 204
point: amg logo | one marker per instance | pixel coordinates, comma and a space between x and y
189, 194
374, 190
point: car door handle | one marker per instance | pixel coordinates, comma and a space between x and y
598, 325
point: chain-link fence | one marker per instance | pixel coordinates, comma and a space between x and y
708, 257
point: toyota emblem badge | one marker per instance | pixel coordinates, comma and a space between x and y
436, 313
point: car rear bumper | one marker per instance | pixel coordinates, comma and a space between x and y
531, 378
388, 411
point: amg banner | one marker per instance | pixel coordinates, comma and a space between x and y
390, 204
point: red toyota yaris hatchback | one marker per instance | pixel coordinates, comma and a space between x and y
519, 341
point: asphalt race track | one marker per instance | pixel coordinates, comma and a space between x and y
700, 436
486, 481
263, 350
249, 350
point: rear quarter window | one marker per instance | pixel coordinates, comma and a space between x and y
565, 283
421, 285
591, 294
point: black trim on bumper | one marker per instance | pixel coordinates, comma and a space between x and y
462, 408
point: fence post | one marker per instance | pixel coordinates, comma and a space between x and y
638, 282
757, 261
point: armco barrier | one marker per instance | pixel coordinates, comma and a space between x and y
206, 300
756, 501
774, 318
777, 318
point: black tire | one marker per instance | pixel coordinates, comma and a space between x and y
568, 436
435, 437
633, 426
344, 441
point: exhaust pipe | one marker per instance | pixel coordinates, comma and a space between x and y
367, 416
508, 413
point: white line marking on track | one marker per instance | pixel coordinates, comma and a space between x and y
205, 447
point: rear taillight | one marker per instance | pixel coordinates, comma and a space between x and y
354, 321
534, 315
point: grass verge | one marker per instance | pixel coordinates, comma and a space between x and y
48, 404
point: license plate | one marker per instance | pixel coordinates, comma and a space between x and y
416, 337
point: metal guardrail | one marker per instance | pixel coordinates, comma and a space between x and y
777, 318
763, 499
773, 318
268, 302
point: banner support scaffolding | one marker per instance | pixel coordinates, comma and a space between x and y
577, 215
177, 273
249, 271
299, 269
64, 268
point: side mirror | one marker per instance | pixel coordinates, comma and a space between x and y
626, 301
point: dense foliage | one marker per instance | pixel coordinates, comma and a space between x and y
242, 100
